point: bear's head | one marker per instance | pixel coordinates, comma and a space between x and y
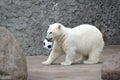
54, 31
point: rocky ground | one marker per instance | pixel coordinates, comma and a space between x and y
37, 71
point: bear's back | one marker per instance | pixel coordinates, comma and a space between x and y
86, 29
84, 36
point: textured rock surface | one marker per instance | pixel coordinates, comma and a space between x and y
12, 61
29, 19
111, 68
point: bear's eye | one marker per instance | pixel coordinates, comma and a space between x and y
50, 32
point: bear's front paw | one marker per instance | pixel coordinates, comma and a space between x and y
66, 63
46, 62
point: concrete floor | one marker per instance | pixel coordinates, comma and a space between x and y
37, 71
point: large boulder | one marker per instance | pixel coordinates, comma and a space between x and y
12, 61
111, 68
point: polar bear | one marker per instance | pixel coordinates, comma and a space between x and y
84, 39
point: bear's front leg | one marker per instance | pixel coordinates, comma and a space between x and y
69, 58
53, 55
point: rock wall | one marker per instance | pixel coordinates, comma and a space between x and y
29, 19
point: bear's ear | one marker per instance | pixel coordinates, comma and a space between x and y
59, 26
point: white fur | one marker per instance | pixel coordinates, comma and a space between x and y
84, 39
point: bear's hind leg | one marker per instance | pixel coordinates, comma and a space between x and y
93, 57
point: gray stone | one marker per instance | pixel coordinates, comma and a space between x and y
12, 60
29, 19
111, 68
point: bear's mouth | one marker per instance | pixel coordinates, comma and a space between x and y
49, 39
